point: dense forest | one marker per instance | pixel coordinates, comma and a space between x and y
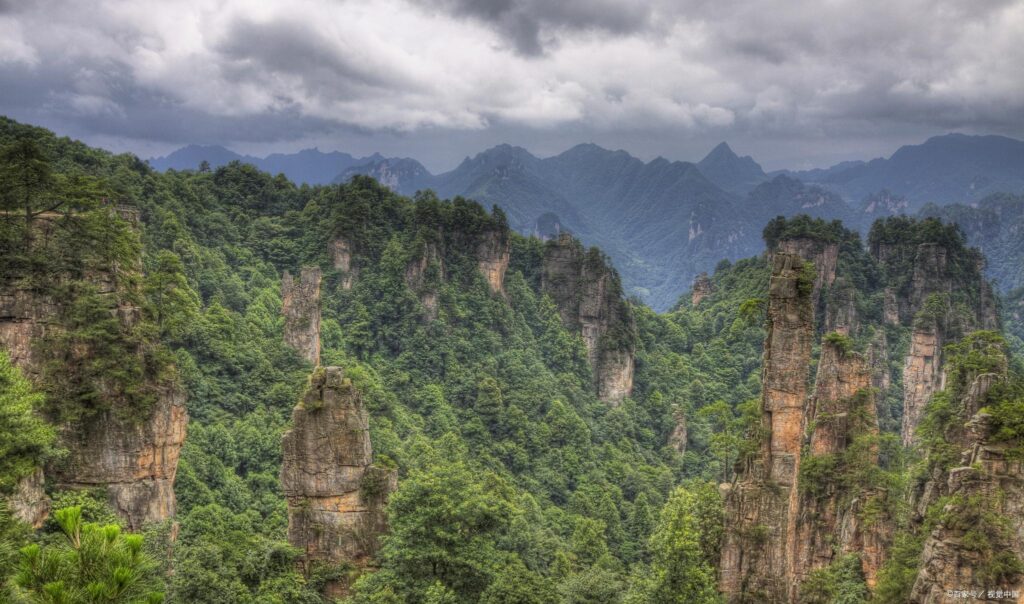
519, 479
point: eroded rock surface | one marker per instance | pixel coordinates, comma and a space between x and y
300, 305
702, 288
758, 558
336, 496
493, 254
588, 295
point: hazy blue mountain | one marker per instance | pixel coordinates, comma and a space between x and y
310, 166
189, 158
400, 174
787, 196
953, 168
731, 172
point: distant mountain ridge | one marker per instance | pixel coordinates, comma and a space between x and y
310, 166
663, 222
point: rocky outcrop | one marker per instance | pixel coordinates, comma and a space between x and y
922, 377
423, 274
300, 305
133, 458
841, 423
978, 542
493, 254
588, 295
677, 439
335, 494
702, 288
758, 559
343, 262
824, 255
29, 502
841, 308
135, 461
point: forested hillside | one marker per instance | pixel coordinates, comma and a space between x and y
393, 399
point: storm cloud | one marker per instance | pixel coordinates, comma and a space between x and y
790, 81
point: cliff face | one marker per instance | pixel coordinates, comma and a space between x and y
335, 494
424, 284
922, 376
493, 255
136, 462
677, 439
831, 522
134, 459
824, 255
300, 305
759, 548
702, 288
588, 296
341, 257
978, 542
927, 303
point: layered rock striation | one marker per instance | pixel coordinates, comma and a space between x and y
300, 305
759, 550
588, 295
336, 495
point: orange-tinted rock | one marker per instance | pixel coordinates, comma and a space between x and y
758, 555
677, 440
493, 254
300, 305
342, 260
335, 494
922, 377
702, 288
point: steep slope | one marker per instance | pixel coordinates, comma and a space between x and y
731, 172
401, 175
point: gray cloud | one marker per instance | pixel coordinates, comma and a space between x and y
799, 81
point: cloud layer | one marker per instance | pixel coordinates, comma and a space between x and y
232, 71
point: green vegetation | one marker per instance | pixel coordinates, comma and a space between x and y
26, 441
91, 563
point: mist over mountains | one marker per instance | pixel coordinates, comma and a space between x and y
663, 222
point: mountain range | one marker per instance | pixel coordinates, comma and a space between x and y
663, 222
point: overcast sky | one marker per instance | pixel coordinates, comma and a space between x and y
795, 84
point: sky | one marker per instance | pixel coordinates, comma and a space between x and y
795, 84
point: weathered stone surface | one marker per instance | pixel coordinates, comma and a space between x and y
702, 288
922, 377
824, 255
342, 259
134, 460
29, 502
841, 308
759, 547
841, 410
424, 284
588, 296
988, 489
493, 254
677, 440
300, 305
335, 494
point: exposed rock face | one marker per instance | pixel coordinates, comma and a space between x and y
341, 258
493, 255
677, 440
841, 308
420, 279
335, 494
841, 411
588, 295
300, 305
702, 288
986, 498
29, 502
922, 377
759, 548
824, 255
136, 462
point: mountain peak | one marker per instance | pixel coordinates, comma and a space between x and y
729, 171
